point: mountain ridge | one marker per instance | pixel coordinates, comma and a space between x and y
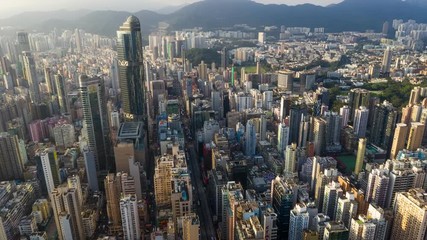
349, 15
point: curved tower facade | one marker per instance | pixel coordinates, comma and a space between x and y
131, 69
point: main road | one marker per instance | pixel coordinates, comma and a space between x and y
205, 216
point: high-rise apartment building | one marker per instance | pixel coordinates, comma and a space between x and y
131, 69
415, 138
346, 209
50, 167
333, 192
282, 200
31, 76
61, 93
362, 228
67, 213
95, 122
377, 188
357, 98
386, 64
335, 231
250, 138
410, 215
130, 217
384, 120
113, 190
399, 139
190, 227
11, 162
282, 138
298, 222
360, 122
360, 158
319, 129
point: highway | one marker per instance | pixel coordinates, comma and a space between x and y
207, 229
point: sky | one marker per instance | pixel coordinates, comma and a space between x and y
11, 7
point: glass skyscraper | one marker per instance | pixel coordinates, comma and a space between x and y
131, 69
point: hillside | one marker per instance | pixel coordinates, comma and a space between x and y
350, 15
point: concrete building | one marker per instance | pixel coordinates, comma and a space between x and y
190, 227
298, 222
11, 162
399, 139
130, 217
416, 134
410, 215
362, 228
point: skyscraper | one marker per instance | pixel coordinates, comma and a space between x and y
360, 122
31, 76
130, 217
95, 119
224, 58
399, 139
50, 165
362, 228
361, 150
345, 113
298, 222
296, 114
79, 43
282, 196
113, 191
319, 128
386, 64
358, 97
131, 69
12, 166
383, 124
250, 138
65, 202
330, 200
415, 136
60, 90
282, 138
410, 215
332, 131
23, 42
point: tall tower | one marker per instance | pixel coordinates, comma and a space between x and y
48, 79
131, 69
50, 165
23, 42
385, 66
95, 119
79, 44
31, 76
399, 139
358, 97
60, 91
130, 217
360, 122
11, 165
282, 138
345, 113
298, 221
383, 124
415, 136
250, 138
361, 150
113, 191
224, 58
410, 215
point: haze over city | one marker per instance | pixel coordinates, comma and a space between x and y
9, 8
213, 120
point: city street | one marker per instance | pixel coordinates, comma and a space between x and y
206, 224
